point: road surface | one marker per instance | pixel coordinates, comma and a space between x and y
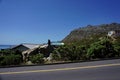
97, 70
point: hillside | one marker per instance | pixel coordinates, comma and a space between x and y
90, 32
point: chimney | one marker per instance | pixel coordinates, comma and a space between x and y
49, 42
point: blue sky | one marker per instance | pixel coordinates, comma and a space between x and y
36, 21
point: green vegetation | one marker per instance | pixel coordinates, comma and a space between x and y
10, 60
9, 57
37, 59
70, 53
55, 56
103, 48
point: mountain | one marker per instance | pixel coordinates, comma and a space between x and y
90, 31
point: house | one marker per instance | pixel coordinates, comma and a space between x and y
115, 33
48, 48
32, 49
25, 46
26, 49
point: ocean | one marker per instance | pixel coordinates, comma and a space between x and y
5, 46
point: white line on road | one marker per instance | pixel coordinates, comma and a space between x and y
61, 69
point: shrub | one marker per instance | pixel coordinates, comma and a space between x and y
101, 49
10, 59
55, 56
1, 59
70, 53
37, 59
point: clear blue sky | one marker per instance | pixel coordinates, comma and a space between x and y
36, 21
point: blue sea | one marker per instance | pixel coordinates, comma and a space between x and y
5, 46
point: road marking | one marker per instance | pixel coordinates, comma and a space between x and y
61, 69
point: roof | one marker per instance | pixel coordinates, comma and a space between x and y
31, 46
44, 46
27, 45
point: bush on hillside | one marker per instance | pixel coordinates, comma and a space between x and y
70, 52
102, 49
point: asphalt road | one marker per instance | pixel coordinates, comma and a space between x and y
97, 70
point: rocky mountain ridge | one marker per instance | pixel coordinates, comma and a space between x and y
88, 31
